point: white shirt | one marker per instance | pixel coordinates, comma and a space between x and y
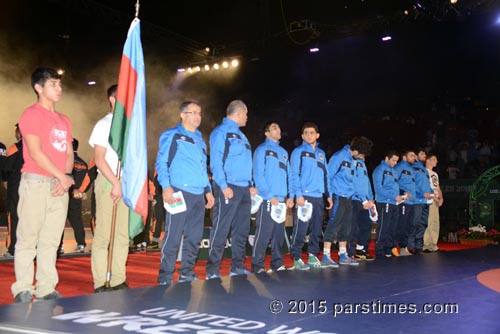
100, 136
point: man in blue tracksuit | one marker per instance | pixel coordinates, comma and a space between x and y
341, 174
423, 197
270, 172
406, 181
181, 165
387, 197
362, 200
231, 164
308, 182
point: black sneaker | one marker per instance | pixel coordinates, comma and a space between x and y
120, 286
23, 297
361, 254
53, 295
102, 288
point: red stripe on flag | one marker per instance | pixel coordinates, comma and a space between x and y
127, 84
141, 207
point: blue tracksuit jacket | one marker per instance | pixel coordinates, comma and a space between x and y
308, 175
270, 170
422, 183
362, 186
230, 155
182, 161
406, 180
341, 173
385, 183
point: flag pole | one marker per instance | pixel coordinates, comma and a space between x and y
112, 235
137, 5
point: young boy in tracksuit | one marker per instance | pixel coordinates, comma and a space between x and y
308, 182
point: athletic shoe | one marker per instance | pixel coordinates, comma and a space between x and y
328, 262
153, 245
405, 252
165, 284
53, 295
262, 270
361, 254
60, 251
23, 297
388, 255
7, 255
281, 268
101, 289
187, 278
121, 286
346, 260
239, 271
314, 262
212, 276
300, 265
80, 249
395, 251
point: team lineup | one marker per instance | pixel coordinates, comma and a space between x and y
268, 181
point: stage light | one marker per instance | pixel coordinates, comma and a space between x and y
190, 70
91, 83
386, 38
225, 64
60, 71
207, 67
313, 50
197, 69
216, 66
207, 49
235, 63
181, 70
453, 1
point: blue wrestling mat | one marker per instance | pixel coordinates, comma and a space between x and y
430, 293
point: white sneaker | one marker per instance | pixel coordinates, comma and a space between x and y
80, 249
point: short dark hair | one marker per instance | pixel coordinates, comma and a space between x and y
75, 144
362, 144
267, 126
185, 104
112, 90
235, 105
430, 155
41, 75
391, 153
407, 150
309, 125
420, 149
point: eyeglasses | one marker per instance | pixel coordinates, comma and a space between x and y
193, 113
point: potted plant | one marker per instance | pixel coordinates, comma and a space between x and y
478, 235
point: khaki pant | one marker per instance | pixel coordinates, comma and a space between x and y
431, 235
102, 232
42, 217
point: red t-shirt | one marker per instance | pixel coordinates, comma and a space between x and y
54, 131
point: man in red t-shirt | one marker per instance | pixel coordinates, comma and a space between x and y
43, 191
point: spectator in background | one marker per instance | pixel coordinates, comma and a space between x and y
12, 173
